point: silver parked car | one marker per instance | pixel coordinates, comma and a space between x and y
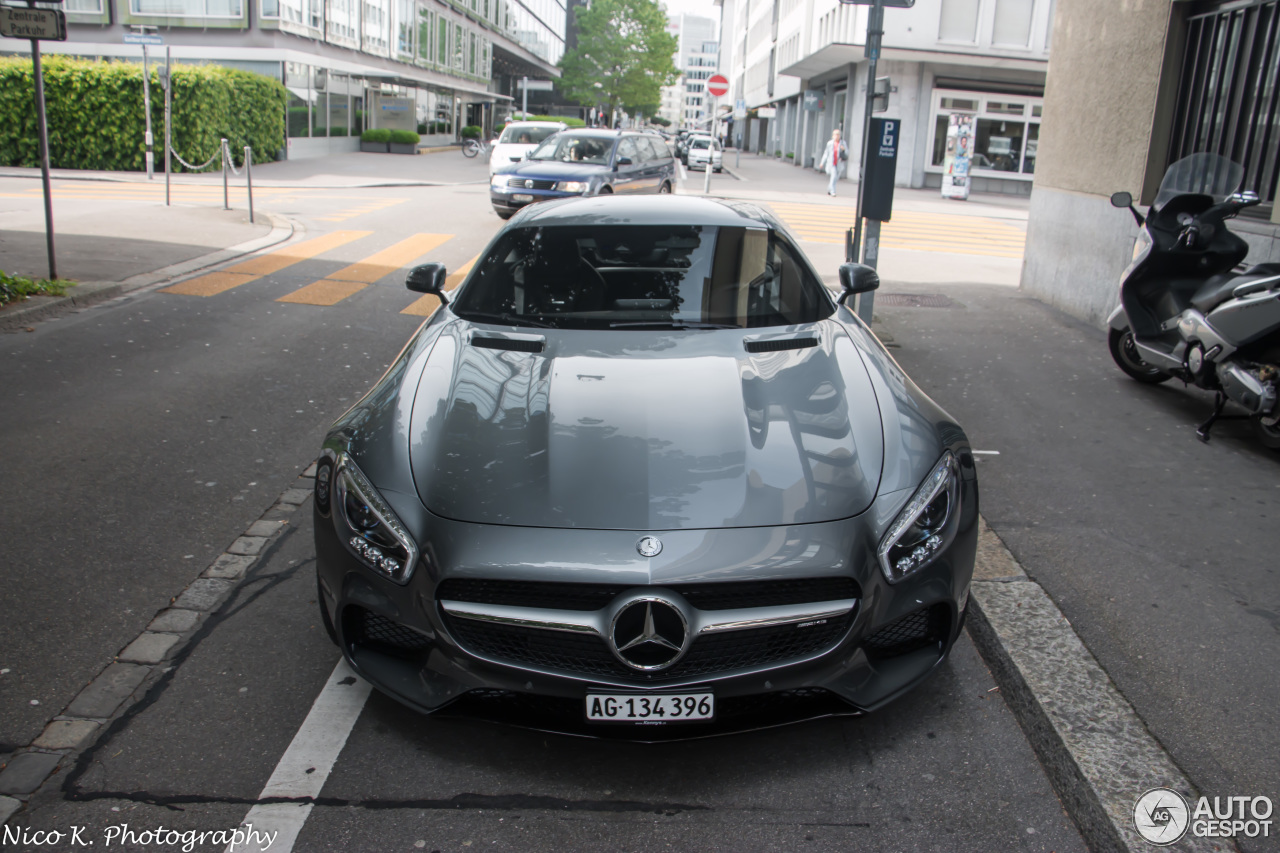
643, 476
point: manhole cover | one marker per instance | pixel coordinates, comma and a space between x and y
914, 300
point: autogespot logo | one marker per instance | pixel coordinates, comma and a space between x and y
1161, 816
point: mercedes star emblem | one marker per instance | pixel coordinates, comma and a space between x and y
649, 546
649, 634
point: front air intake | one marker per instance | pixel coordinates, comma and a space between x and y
780, 344
508, 344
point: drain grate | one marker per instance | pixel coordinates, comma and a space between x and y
914, 300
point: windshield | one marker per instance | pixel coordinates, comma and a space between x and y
643, 276
1200, 174
572, 148
702, 143
518, 134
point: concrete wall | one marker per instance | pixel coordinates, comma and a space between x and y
1105, 88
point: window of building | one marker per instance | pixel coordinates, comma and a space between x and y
1228, 99
1005, 138
1012, 27
188, 8
343, 28
958, 21
92, 7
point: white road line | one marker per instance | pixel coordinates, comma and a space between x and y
986, 452
306, 764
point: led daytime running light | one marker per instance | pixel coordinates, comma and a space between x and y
943, 477
351, 479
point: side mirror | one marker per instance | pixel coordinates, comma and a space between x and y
1121, 199
427, 278
857, 278
624, 161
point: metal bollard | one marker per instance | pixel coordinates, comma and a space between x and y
226, 201
248, 177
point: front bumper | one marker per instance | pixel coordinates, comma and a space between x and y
512, 199
401, 639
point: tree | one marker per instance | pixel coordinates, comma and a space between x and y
623, 57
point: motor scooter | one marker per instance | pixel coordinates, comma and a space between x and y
1186, 309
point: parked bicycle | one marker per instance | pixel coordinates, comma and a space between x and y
472, 147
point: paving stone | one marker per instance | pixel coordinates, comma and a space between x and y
149, 648
27, 771
204, 594
295, 496
174, 621
264, 528
66, 734
8, 808
247, 545
311, 470
230, 566
279, 512
105, 693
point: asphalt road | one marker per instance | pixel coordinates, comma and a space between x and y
144, 435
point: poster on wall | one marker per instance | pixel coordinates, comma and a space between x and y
955, 165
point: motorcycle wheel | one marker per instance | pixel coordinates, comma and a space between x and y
1125, 355
1268, 434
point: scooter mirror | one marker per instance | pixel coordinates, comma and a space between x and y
1121, 199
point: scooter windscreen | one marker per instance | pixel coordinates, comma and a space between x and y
1200, 174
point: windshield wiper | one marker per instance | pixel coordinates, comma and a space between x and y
670, 324
506, 319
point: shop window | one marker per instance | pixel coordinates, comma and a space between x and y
959, 105
1005, 108
1012, 23
92, 7
188, 8
998, 145
1033, 142
958, 21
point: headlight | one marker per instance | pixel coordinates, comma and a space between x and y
368, 527
573, 186
923, 528
498, 182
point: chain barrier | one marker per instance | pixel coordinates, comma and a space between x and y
231, 164
228, 166
188, 166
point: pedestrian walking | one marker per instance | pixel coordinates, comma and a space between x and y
834, 156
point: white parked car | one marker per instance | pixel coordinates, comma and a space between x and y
703, 149
518, 139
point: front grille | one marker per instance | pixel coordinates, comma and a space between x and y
581, 654
918, 629
530, 184
366, 628
706, 596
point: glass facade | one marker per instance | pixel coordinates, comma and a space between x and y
1006, 131
187, 8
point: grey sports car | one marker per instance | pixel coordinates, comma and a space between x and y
643, 476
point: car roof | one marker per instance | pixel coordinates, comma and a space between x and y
646, 210
535, 124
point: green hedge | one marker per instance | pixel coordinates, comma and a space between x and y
471, 131
404, 137
96, 119
379, 134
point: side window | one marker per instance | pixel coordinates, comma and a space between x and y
627, 148
648, 149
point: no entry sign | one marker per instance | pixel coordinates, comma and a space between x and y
718, 85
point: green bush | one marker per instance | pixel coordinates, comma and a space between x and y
404, 137
16, 288
790, 156
498, 128
471, 131
96, 121
379, 134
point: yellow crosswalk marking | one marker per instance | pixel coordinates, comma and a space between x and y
351, 280
211, 284
914, 230
426, 305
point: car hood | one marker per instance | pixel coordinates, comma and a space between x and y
552, 169
644, 430
506, 153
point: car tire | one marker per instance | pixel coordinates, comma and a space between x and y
324, 614
504, 214
717, 169
606, 190
665, 188
1125, 355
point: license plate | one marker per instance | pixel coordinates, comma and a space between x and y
653, 708
522, 197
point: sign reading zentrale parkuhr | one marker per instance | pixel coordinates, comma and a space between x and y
45, 24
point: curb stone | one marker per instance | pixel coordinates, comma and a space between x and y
84, 294
1094, 747
114, 690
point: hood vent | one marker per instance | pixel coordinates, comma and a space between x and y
780, 344
512, 344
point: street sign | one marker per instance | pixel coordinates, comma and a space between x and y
740, 109
880, 97
139, 38
814, 101
44, 24
536, 85
718, 85
880, 166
